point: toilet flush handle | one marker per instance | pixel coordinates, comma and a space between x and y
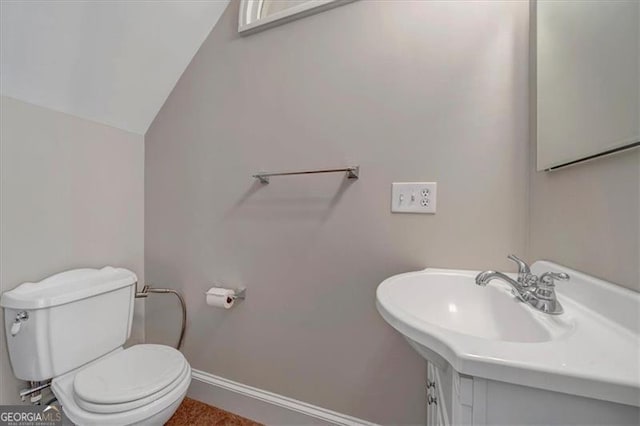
17, 323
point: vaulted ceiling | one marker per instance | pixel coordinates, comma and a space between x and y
111, 61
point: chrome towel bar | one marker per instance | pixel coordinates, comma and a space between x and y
352, 173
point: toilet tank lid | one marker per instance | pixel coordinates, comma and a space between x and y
67, 287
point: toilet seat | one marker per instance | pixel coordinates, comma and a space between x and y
124, 387
129, 379
130, 405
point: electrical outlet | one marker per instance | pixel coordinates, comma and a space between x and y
413, 197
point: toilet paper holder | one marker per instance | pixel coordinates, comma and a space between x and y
238, 293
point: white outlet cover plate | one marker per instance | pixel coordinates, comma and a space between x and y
413, 197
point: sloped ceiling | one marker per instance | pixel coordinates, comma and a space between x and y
114, 62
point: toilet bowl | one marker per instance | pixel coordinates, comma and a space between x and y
143, 384
70, 328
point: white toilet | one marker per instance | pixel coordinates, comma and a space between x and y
71, 328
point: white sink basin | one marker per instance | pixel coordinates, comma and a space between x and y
591, 350
452, 301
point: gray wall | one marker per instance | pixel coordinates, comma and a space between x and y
71, 196
408, 90
586, 216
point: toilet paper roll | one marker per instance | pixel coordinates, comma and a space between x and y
220, 297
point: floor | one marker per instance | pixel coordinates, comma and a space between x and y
196, 413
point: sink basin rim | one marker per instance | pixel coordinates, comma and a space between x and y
553, 327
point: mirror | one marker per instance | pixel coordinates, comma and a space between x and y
261, 14
588, 79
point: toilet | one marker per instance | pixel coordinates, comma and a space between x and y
71, 327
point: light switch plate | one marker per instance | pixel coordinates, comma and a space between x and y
413, 197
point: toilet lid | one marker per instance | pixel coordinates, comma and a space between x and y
128, 375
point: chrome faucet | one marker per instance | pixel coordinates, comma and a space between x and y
538, 292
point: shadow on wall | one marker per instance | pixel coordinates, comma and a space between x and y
305, 206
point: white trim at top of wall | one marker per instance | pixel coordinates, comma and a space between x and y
261, 405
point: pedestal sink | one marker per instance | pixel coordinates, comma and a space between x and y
485, 335
449, 300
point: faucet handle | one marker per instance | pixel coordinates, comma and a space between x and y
523, 269
545, 289
548, 278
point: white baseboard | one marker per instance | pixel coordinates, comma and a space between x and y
262, 406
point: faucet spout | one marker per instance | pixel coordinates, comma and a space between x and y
483, 278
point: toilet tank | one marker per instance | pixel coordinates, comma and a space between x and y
73, 317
